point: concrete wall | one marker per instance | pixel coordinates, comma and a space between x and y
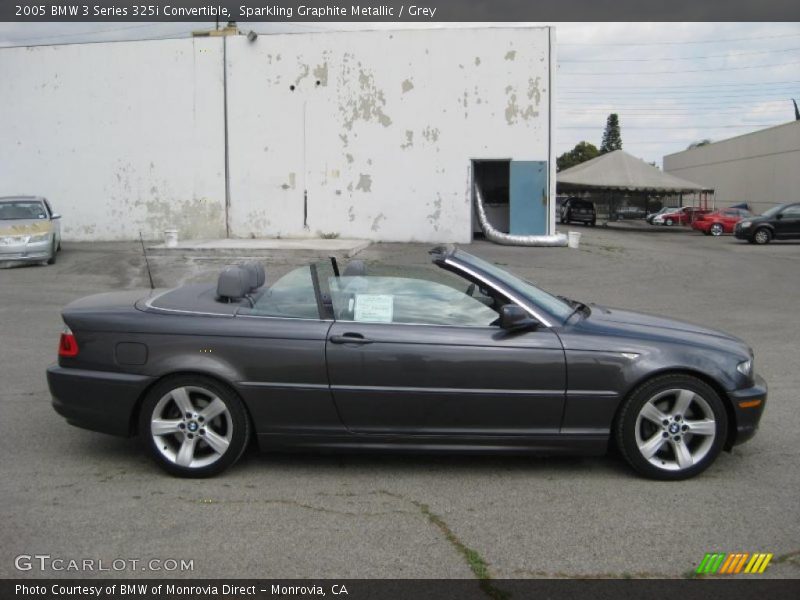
361, 134
121, 137
760, 168
378, 128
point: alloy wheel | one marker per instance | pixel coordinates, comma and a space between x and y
675, 429
716, 229
191, 427
761, 236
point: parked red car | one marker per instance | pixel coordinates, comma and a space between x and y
679, 216
720, 221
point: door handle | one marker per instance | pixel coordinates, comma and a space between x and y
349, 338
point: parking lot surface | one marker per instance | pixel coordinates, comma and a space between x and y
75, 494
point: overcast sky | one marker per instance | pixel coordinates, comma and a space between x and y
670, 83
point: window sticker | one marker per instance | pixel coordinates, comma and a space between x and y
374, 308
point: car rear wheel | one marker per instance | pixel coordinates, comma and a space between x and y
193, 426
762, 236
716, 229
672, 427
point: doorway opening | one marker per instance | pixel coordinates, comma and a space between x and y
493, 177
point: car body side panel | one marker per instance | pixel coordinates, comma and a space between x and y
430, 380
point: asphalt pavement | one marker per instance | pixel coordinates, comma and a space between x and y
74, 494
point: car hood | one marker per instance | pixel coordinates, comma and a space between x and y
627, 323
24, 226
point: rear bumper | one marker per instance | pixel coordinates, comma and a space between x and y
747, 418
96, 400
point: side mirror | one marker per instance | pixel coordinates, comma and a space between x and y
55, 216
514, 318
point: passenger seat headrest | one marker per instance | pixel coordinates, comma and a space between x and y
257, 273
355, 268
233, 284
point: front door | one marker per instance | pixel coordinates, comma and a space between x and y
416, 357
788, 225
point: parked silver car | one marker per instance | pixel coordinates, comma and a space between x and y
29, 230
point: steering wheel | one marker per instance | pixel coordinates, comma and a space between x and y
470, 289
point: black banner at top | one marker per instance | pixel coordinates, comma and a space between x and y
424, 11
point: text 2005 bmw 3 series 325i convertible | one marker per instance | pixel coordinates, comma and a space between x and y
465, 358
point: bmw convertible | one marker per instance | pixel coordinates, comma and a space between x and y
466, 357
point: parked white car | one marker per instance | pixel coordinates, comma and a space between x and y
29, 230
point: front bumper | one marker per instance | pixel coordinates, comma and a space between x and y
748, 417
97, 400
26, 252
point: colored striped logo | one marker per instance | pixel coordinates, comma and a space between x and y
720, 563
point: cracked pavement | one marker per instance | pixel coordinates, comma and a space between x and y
76, 494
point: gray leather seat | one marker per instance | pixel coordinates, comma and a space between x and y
233, 284
257, 273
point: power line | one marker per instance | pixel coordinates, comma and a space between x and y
681, 72
681, 43
735, 55
686, 85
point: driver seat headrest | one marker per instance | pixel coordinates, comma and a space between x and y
257, 274
233, 284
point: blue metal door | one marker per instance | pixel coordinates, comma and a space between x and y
528, 197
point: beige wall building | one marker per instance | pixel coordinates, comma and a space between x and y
761, 168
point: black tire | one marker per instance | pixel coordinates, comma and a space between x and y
668, 222
233, 424
628, 425
762, 236
716, 229
594, 222
706, 233
53, 254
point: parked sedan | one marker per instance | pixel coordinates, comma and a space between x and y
721, 221
679, 216
780, 222
471, 358
29, 230
649, 218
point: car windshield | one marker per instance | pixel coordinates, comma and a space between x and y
772, 211
550, 304
21, 209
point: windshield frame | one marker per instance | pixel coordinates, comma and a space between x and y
25, 201
554, 312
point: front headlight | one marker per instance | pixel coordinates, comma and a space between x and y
745, 224
37, 239
745, 368
12, 240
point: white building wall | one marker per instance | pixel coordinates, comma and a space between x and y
130, 136
761, 168
382, 144
121, 137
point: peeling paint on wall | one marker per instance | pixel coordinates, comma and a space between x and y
364, 183
376, 222
407, 86
409, 140
431, 134
515, 112
321, 74
367, 105
511, 55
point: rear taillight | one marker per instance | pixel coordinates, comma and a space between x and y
67, 345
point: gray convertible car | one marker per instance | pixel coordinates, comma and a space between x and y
465, 358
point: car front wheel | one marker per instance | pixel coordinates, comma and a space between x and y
53, 254
668, 222
672, 427
193, 426
716, 229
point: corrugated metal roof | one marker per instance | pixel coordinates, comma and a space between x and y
618, 170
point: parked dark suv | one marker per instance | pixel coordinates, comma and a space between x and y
780, 222
577, 209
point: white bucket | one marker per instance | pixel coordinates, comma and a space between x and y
574, 239
171, 238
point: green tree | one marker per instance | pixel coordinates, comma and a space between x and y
698, 144
612, 136
582, 152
